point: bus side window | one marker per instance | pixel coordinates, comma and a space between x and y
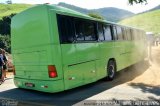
119, 33
66, 29
128, 33
114, 33
136, 34
89, 31
124, 33
131, 34
79, 30
100, 32
85, 30
107, 32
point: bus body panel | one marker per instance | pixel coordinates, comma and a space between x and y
36, 45
79, 63
106, 52
35, 26
40, 85
119, 51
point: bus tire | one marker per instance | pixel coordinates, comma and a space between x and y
111, 70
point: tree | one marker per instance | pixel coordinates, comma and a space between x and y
5, 25
5, 29
137, 1
5, 43
95, 15
9, 1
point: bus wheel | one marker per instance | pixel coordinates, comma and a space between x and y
111, 69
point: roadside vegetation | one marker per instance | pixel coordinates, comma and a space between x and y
8, 9
5, 42
149, 21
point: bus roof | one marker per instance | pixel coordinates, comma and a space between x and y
70, 12
78, 14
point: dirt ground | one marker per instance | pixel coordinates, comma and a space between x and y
150, 71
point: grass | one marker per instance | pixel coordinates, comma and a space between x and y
150, 21
7, 9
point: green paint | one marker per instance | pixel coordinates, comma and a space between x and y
35, 45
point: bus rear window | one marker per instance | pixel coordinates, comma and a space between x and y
66, 29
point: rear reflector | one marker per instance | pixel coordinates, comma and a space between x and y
44, 86
52, 71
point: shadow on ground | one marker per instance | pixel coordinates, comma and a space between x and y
75, 95
146, 88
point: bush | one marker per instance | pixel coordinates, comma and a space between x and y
5, 43
5, 25
5, 33
95, 15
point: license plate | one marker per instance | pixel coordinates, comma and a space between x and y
29, 84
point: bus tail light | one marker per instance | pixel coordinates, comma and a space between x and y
52, 71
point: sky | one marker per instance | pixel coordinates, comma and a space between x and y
94, 4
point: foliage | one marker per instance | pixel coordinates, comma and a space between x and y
9, 1
5, 43
148, 21
5, 38
137, 1
5, 25
7, 9
95, 15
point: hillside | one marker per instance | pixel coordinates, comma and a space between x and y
113, 14
153, 9
79, 9
110, 13
149, 21
7, 9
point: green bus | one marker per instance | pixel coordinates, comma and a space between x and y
56, 49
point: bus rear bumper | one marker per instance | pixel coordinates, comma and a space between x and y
40, 85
